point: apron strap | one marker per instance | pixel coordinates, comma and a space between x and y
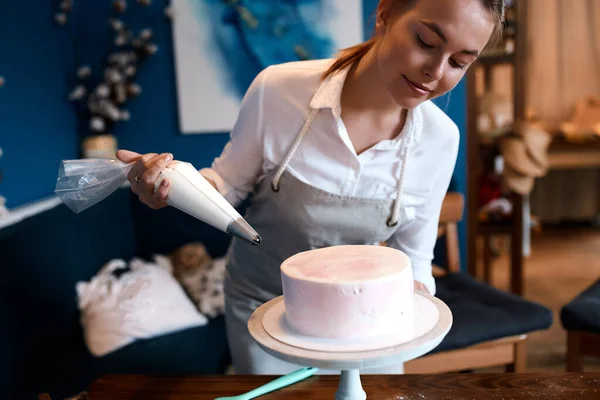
292, 150
394, 217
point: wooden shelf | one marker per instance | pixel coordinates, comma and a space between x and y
489, 60
560, 143
479, 147
496, 228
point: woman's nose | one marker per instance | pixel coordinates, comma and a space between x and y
434, 70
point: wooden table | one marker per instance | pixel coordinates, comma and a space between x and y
505, 386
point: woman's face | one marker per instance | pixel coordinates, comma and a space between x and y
426, 48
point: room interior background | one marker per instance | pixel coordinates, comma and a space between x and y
562, 68
38, 124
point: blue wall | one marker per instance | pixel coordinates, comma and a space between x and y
455, 106
37, 123
38, 126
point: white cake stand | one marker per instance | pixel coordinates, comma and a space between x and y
267, 326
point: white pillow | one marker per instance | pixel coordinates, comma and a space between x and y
139, 304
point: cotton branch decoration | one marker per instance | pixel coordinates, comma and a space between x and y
101, 97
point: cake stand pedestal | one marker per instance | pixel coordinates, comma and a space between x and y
267, 326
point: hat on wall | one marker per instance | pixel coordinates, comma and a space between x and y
516, 182
537, 140
525, 154
515, 153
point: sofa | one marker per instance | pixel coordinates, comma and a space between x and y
42, 259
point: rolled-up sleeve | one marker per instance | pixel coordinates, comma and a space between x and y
236, 170
418, 239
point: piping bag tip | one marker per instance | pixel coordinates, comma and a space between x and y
241, 229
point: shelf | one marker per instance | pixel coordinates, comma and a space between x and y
487, 143
492, 59
495, 228
481, 149
560, 143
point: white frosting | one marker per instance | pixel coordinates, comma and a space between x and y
348, 291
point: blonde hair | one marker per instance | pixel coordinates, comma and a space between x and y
351, 55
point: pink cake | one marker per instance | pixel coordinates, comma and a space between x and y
348, 291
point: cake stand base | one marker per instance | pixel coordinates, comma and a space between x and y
430, 330
350, 387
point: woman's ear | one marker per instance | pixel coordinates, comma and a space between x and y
384, 10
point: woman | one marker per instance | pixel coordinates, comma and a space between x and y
344, 151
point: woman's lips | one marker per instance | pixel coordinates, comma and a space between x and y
417, 88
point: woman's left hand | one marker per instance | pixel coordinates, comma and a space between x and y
419, 287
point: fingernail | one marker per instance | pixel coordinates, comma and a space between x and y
168, 157
164, 184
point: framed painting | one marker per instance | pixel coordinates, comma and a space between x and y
220, 46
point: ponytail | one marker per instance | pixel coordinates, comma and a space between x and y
349, 56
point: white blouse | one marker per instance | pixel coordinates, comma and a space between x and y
273, 112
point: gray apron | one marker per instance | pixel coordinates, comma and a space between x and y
292, 216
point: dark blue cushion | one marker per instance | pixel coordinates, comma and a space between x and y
42, 258
200, 350
583, 313
482, 313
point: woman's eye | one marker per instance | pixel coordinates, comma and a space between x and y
457, 64
423, 43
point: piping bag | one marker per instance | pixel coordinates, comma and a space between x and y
83, 183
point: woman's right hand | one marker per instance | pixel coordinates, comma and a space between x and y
143, 175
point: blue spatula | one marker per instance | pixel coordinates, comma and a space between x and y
278, 383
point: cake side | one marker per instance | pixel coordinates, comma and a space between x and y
348, 292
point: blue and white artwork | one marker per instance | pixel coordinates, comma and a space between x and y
221, 45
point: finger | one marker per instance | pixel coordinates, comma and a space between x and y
138, 168
420, 287
155, 203
145, 181
128, 156
132, 175
154, 167
162, 192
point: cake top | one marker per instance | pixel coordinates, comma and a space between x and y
349, 263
